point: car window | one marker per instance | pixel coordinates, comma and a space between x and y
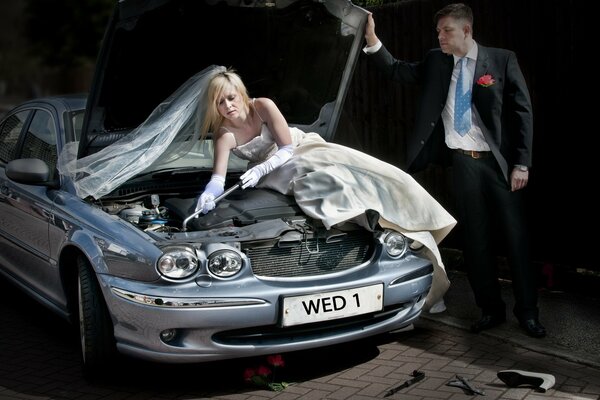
40, 139
9, 135
77, 123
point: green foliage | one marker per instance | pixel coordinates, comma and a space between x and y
67, 32
372, 3
366, 3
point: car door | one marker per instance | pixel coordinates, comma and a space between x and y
26, 210
10, 132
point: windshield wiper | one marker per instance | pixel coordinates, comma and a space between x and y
175, 171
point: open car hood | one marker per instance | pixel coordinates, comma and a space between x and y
300, 53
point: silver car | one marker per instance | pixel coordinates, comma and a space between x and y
131, 269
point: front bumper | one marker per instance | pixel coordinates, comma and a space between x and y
241, 318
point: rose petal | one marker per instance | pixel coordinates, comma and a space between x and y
248, 374
276, 360
263, 371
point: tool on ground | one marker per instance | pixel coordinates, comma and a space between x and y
463, 383
416, 377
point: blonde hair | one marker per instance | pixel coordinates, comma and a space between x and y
218, 84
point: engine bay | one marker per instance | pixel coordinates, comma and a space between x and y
167, 213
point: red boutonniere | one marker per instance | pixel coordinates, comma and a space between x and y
486, 80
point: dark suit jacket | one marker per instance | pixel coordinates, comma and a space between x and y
502, 109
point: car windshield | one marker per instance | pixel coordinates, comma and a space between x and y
201, 157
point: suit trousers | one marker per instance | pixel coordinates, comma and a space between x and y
487, 208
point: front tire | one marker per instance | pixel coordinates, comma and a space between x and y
95, 326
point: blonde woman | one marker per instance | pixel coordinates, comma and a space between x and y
236, 121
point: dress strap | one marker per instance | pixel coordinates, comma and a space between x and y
232, 134
261, 119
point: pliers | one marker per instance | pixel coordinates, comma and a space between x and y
461, 382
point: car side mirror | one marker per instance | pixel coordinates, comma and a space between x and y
30, 171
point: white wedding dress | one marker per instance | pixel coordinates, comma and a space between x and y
335, 183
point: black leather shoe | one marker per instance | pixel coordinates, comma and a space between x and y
487, 321
533, 327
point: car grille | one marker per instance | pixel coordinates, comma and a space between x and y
268, 335
310, 257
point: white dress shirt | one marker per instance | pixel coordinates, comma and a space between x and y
472, 140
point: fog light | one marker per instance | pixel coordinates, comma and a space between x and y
168, 335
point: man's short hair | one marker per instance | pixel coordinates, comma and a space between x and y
457, 11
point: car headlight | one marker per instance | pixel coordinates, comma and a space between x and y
224, 263
178, 262
395, 244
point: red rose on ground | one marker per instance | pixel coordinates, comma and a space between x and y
263, 371
248, 374
276, 360
263, 376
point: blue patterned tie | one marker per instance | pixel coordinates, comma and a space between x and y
462, 100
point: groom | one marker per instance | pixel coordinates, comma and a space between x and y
474, 109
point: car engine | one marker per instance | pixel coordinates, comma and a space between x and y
167, 213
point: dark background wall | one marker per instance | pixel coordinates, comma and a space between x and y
548, 38
49, 47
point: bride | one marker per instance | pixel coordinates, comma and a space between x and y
329, 182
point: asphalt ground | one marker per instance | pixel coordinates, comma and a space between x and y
39, 359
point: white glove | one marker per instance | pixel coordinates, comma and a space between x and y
214, 188
251, 177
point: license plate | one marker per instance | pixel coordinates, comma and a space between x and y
331, 305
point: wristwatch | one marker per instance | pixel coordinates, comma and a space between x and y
523, 168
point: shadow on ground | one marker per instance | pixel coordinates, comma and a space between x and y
571, 319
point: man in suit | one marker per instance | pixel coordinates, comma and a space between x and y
474, 111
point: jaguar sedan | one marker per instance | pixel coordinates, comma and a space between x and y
130, 268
